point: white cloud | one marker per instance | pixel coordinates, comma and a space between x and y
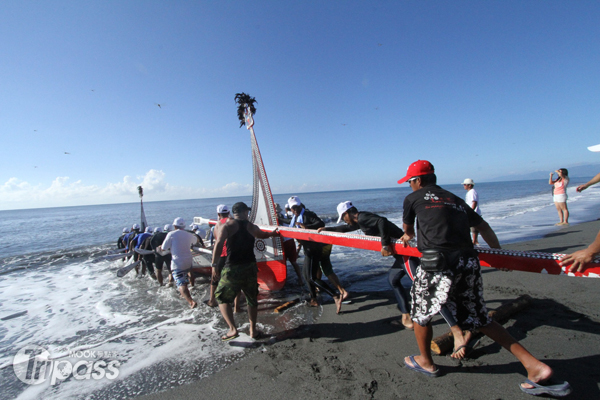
16, 194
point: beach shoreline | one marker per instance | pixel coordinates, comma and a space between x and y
359, 354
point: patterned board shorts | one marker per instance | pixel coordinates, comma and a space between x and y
181, 277
459, 288
235, 278
220, 265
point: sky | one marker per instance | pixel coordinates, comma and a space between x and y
99, 97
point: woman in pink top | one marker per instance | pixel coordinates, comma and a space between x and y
560, 194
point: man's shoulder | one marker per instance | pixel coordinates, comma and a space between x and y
232, 225
438, 190
367, 215
232, 222
426, 193
310, 214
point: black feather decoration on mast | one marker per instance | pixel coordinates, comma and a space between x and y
244, 100
143, 221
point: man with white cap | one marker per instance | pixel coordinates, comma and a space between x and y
240, 270
162, 258
472, 199
132, 241
139, 240
316, 255
289, 245
376, 225
147, 259
120, 244
450, 274
288, 211
135, 229
180, 243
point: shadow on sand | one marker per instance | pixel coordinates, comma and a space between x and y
581, 372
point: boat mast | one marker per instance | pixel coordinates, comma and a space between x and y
143, 222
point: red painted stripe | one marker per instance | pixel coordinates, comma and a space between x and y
514, 260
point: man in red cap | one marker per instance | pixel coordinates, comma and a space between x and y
450, 275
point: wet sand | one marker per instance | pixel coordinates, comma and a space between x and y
359, 354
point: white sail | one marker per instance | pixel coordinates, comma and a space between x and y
263, 213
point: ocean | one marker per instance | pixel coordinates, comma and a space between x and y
128, 336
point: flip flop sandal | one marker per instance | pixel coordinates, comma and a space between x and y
473, 343
560, 390
418, 368
228, 338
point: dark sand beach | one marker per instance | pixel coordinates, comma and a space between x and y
359, 354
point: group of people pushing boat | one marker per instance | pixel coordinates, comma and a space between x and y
167, 247
446, 279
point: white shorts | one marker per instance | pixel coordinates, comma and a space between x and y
560, 198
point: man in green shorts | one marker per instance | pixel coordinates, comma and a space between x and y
240, 270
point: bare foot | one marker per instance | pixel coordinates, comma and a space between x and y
345, 294
538, 373
193, 304
338, 304
460, 342
313, 303
256, 335
212, 303
407, 322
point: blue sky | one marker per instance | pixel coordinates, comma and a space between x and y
349, 94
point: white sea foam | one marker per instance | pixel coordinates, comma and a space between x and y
83, 306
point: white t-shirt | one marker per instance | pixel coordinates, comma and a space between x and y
470, 198
180, 243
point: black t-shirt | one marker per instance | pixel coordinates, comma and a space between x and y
157, 239
443, 219
147, 244
311, 221
120, 244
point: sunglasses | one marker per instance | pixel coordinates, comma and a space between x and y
412, 179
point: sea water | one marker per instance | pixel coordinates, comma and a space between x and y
54, 296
